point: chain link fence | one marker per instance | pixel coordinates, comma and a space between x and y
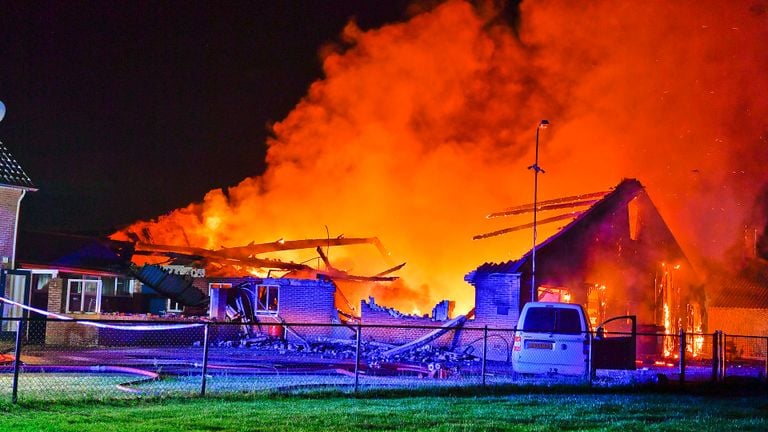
55, 359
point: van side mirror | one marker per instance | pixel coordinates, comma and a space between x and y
600, 333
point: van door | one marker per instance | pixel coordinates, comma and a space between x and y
615, 344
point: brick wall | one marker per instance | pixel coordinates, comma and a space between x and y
56, 302
371, 314
497, 300
738, 321
306, 300
299, 301
9, 203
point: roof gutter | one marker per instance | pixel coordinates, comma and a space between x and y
16, 228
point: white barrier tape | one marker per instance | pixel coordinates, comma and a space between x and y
40, 311
102, 325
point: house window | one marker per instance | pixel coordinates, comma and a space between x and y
83, 296
172, 306
114, 286
267, 299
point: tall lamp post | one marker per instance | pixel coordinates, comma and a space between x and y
536, 169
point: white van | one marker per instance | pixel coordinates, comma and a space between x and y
551, 338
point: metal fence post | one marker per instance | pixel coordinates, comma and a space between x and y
723, 356
765, 371
485, 352
682, 356
205, 359
591, 372
357, 359
17, 360
715, 357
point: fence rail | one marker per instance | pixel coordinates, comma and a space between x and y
55, 359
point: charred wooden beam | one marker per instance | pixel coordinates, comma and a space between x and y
250, 251
526, 226
256, 249
246, 256
340, 275
283, 245
213, 258
391, 270
324, 257
335, 273
566, 201
529, 209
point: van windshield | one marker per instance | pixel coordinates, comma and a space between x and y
552, 320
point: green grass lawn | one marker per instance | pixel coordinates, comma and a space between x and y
396, 411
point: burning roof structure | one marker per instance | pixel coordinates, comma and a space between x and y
235, 263
617, 257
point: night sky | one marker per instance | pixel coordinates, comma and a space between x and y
121, 111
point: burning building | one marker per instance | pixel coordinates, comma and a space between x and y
416, 128
617, 257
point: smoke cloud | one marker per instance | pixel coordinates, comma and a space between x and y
418, 129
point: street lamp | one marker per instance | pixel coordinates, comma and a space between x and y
536, 169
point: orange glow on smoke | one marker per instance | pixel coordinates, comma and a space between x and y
420, 128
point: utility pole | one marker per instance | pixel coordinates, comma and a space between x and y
536, 169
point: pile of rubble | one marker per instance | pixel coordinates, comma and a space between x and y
371, 353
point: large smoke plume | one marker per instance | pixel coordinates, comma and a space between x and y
420, 128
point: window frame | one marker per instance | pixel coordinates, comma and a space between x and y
272, 297
169, 309
83, 282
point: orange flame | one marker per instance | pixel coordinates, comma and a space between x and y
420, 128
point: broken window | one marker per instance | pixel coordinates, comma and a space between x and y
553, 294
267, 299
